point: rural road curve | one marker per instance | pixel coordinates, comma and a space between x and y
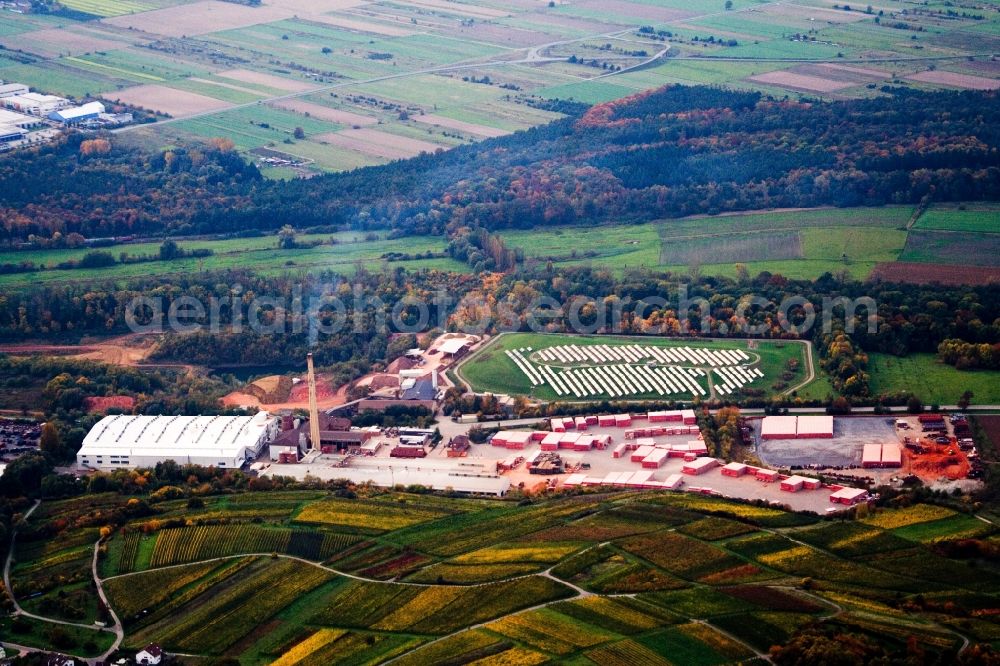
18, 610
10, 558
117, 626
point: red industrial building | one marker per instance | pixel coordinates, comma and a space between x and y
778, 427
767, 475
699, 465
810, 427
734, 469
849, 496
656, 459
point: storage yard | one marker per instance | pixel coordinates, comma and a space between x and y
929, 446
781, 445
657, 450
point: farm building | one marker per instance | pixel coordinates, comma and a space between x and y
734, 469
778, 427
150, 655
77, 114
454, 348
699, 465
849, 496
126, 441
814, 427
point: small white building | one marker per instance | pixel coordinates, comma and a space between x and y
151, 654
125, 441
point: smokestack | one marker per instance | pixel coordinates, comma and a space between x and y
314, 443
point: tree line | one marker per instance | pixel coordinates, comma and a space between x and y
671, 152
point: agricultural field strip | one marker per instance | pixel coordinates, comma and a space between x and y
116, 627
532, 57
339, 572
903, 517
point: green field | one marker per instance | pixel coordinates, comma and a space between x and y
344, 255
976, 218
797, 244
377, 62
932, 381
490, 369
744, 586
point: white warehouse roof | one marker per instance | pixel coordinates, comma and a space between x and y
177, 437
82, 111
452, 345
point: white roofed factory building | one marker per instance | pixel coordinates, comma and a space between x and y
125, 441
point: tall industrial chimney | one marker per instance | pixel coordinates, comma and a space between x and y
314, 443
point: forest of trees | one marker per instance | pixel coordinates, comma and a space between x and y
908, 318
666, 153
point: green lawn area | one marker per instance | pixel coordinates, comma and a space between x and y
589, 92
491, 370
981, 218
934, 382
259, 254
36, 633
813, 242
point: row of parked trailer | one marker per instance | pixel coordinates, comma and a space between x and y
642, 353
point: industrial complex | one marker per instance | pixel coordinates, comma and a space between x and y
126, 441
25, 114
657, 449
